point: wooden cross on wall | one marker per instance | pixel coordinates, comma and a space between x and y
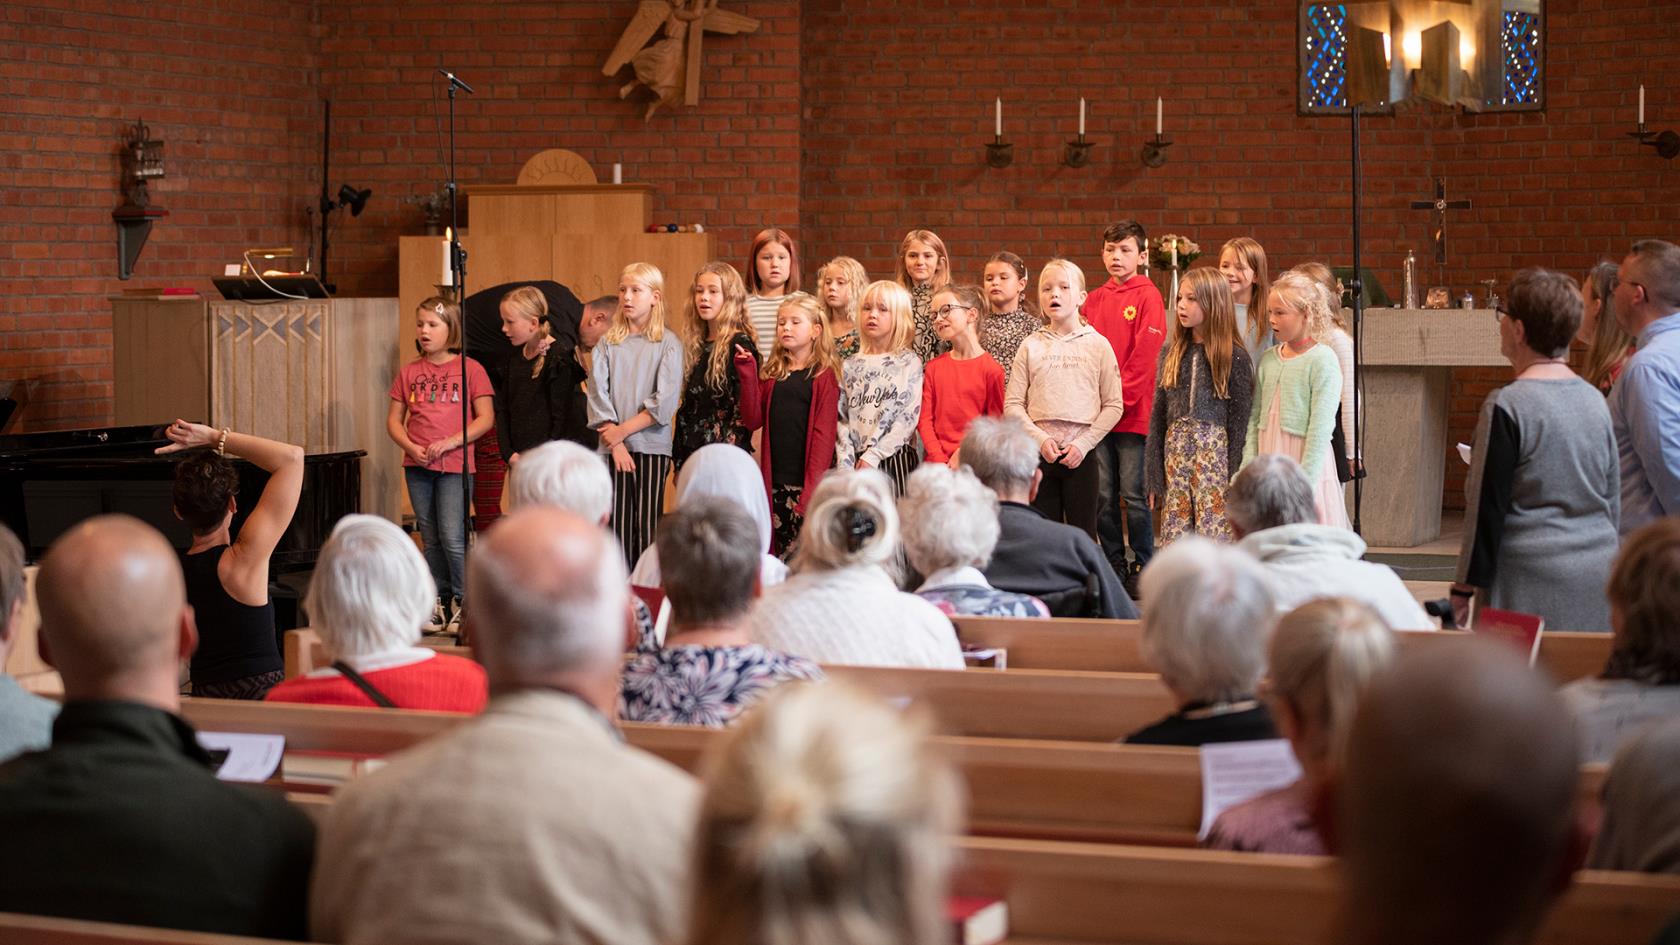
1440, 205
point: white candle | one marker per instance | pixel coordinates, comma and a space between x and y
448, 270
998, 122
1157, 116
1642, 104
1082, 116
1175, 254
618, 173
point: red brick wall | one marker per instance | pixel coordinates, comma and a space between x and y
732, 163
237, 117
898, 108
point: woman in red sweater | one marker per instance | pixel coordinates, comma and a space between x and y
368, 599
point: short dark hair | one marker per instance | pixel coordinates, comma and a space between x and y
608, 302
709, 560
1548, 304
1645, 586
1659, 267
1121, 229
204, 482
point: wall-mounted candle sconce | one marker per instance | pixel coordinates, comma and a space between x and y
1078, 153
999, 153
1155, 149
1667, 142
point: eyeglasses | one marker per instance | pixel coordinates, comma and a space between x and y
1500, 311
1617, 282
944, 311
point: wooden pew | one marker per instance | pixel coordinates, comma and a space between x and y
1040, 789
1113, 646
17, 929
1050, 704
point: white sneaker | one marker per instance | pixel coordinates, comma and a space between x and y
453, 625
438, 621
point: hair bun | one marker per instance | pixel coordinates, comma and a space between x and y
860, 526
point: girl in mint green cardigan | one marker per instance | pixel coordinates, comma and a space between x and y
1297, 390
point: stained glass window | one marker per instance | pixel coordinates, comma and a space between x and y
1519, 45
1324, 56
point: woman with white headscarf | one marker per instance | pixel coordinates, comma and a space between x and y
722, 471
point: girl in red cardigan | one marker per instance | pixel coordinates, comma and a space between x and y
961, 384
796, 402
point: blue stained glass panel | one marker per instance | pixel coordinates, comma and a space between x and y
1324, 56
1519, 44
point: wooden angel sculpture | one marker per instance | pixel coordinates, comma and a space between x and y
670, 67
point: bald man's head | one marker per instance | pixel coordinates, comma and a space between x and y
112, 604
549, 592
1456, 805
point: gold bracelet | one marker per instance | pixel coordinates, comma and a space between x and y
221, 447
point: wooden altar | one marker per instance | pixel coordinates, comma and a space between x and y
314, 372
1408, 360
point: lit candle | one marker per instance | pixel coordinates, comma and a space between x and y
1642, 104
1157, 116
448, 269
998, 123
618, 173
1082, 116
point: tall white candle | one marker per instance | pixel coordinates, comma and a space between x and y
1642, 104
998, 122
1082, 116
1175, 254
448, 270
618, 173
1157, 116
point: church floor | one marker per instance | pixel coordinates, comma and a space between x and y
1427, 569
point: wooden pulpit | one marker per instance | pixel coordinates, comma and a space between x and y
313, 372
1409, 356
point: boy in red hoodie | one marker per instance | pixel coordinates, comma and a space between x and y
1127, 310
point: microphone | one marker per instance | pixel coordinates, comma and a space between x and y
455, 81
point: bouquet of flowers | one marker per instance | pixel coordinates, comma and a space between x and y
1171, 251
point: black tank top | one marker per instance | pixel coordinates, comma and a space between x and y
235, 640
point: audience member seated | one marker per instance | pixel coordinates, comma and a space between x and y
826, 819
723, 471
1641, 681
573, 478
121, 820
1322, 656
532, 822
840, 607
1543, 489
25, 718
1641, 827
1059, 564
1274, 517
1453, 814
709, 670
950, 529
238, 656
1207, 614
368, 599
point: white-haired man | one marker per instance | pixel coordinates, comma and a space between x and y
532, 823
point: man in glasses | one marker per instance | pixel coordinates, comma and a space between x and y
1645, 403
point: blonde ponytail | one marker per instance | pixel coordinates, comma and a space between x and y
1323, 654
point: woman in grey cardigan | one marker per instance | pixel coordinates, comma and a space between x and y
1544, 491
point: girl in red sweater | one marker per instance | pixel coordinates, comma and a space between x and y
796, 401
961, 384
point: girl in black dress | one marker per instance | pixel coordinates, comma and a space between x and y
711, 397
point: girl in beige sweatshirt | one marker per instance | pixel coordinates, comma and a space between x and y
1066, 384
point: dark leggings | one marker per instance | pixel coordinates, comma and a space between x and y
1070, 495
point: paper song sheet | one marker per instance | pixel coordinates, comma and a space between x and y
1234, 772
240, 756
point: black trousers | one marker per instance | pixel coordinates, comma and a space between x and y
1072, 496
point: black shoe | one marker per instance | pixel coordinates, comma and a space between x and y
1129, 580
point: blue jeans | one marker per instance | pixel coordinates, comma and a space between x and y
1120, 480
438, 510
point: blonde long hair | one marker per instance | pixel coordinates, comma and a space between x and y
898, 302
823, 356
827, 819
1321, 273
1253, 254
1300, 292
731, 320
645, 274
856, 277
1322, 656
1219, 330
1610, 342
527, 301
941, 273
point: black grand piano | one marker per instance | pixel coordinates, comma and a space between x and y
51, 481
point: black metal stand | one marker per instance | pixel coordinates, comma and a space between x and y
458, 265
1356, 452
326, 203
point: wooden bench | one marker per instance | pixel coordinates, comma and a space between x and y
1041, 789
1060, 705
1114, 646
1087, 893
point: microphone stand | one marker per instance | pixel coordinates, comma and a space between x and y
458, 266
1358, 286
326, 204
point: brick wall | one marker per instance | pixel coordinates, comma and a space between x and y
899, 106
237, 117
732, 163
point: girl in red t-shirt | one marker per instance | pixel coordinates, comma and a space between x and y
960, 384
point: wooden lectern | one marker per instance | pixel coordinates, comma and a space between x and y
314, 372
1409, 356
